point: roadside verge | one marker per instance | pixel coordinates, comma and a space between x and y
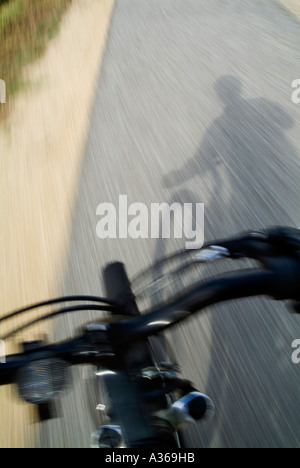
293, 6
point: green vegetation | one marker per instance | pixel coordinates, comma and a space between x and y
25, 28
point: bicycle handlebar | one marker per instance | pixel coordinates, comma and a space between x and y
275, 241
280, 280
277, 249
226, 287
105, 340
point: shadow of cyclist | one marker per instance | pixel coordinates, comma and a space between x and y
250, 158
255, 173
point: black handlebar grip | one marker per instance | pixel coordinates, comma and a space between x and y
273, 242
285, 238
118, 288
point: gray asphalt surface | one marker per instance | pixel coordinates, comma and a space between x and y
193, 104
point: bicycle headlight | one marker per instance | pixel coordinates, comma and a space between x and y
42, 380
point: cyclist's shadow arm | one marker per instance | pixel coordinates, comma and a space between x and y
206, 159
184, 174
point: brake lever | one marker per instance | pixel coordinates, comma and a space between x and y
275, 241
248, 245
211, 253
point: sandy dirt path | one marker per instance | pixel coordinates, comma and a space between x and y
292, 5
41, 146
